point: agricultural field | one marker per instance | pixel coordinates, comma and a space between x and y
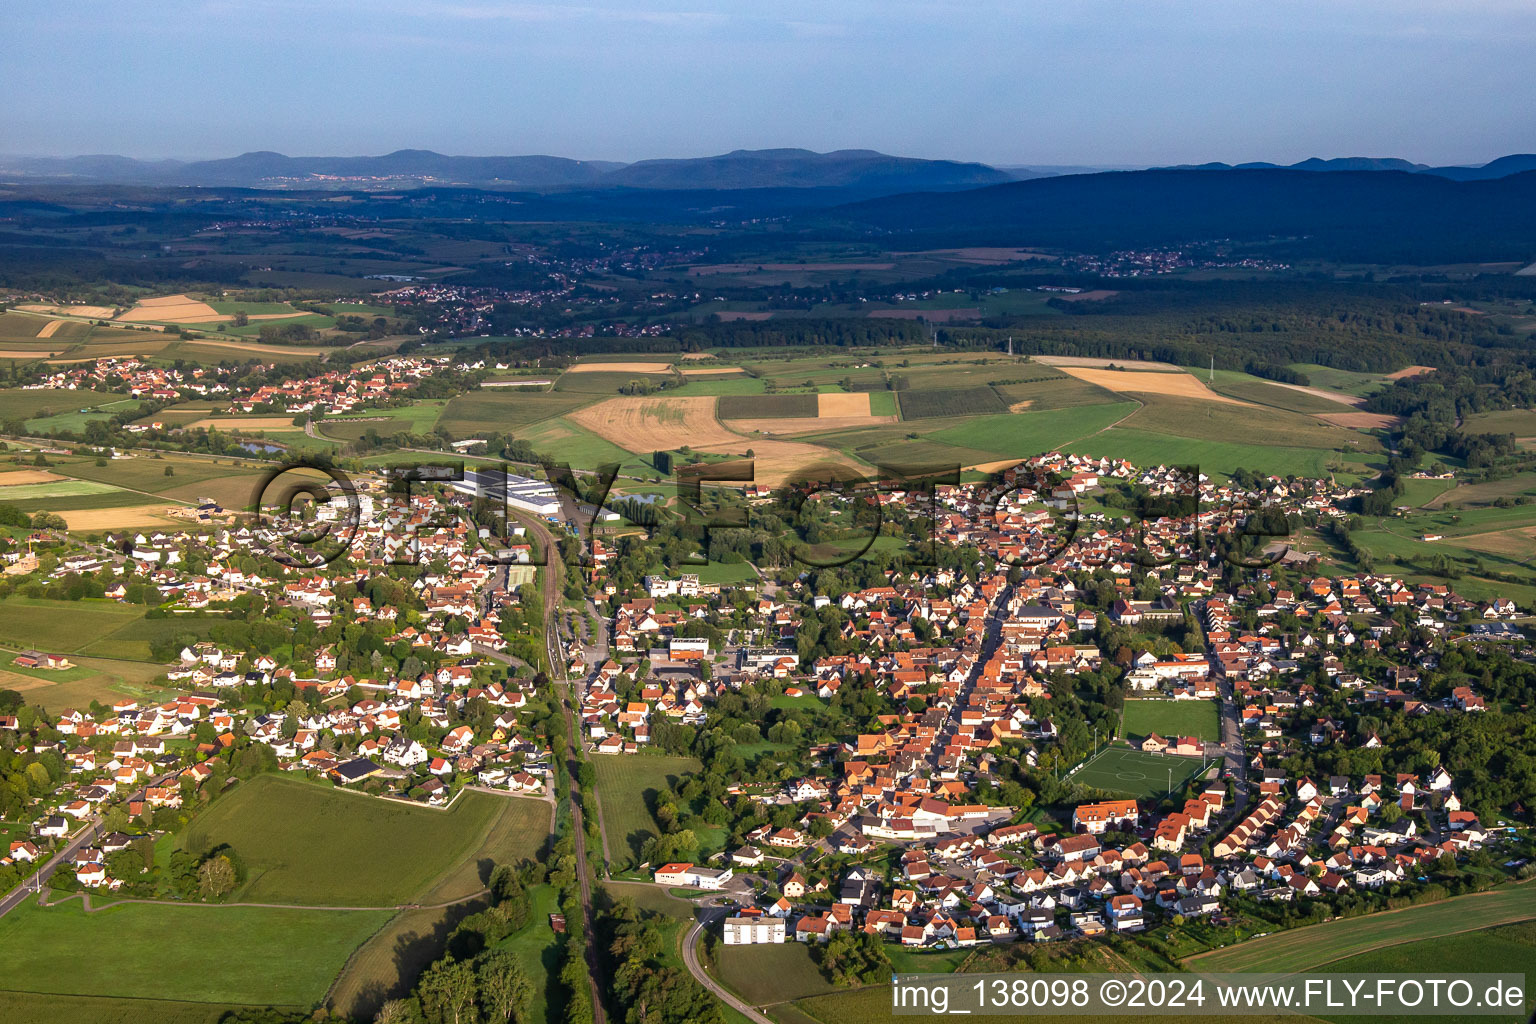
1301, 949
417, 418
1520, 422
307, 844
62, 627
1020, 435
388, 963
1216, 458
655, 423
1347, 381
772, 974
504, 410
133, 945
1143, 776
626, 790
1244, 424
1063, 393
102, 679
1169, 719
20, 404
759, 407
972, 401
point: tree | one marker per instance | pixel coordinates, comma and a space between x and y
216, 878
506, 996
396, 1011
170, 470
447, 992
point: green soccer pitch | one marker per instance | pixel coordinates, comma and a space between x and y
1120, 770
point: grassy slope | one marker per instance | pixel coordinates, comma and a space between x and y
306, 844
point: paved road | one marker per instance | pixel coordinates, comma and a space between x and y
691, 960
82, 837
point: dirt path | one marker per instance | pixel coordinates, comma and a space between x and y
1332, 396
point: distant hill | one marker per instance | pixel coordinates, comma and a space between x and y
1372, 216
864, 172
1503, 167
801, 168
412, 164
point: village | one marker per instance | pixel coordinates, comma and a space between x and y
417, 685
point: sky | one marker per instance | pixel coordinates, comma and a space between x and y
1093, 82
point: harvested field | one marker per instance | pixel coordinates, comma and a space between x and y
704, 371
1178, 385
621, 368
50, 327
779, 462
27, 476
243, 423
656, 424
94, 312
688, 356
792, 425
727, 315
1139, 364
259, 348
834, 411
1410, 371
32, 353
1361, 420
117, 518
176, 309
831, 405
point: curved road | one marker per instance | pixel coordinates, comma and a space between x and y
691, 959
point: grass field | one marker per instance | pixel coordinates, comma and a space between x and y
241, 955
1143, 776
306, 844
1301, 949
772, 974
627, 787
387, 965
36, 1008
55, 489
1170, 718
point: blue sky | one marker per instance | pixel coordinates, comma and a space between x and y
1002, 81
